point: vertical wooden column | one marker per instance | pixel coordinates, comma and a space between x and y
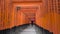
8, 14
5, 22
2, 9
58, 11
0, 12
57, 17
50, 14
54, 16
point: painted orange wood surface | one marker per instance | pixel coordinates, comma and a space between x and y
10, 17
50, 23
23, 12
49, 20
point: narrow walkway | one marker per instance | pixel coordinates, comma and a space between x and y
29, 30
26, 29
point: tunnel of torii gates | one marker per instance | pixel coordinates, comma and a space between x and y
44, 13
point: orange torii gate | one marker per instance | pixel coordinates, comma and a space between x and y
17, 12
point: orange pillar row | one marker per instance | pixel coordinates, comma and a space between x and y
49, 20
20, 19
46, 18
